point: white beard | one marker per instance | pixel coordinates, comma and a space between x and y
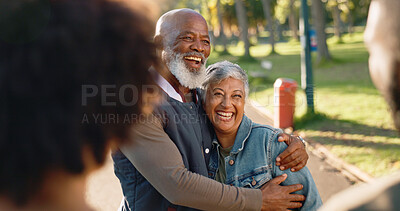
186, 77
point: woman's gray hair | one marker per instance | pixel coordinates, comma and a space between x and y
221, 71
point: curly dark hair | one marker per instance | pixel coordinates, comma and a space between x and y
49, 50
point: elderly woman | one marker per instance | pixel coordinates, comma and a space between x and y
243, 152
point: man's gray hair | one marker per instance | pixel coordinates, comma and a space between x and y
222, 70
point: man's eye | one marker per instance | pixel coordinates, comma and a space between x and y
237, 96
187, 38
206, 42
218, 94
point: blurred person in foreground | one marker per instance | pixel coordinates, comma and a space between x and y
49, 51
166, 163
383, 43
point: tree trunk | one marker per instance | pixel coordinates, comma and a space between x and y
319, 23
257, 31
279, 31
206, 10
336, 21
293, 22
222, 36
243, 26
350, 24
270, 23
349, 19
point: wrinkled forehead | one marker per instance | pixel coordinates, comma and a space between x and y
183, 21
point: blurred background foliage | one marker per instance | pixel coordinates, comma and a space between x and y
352, 119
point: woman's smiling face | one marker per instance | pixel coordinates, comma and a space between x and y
224, 105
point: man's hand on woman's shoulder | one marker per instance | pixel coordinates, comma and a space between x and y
277, 197
295, 156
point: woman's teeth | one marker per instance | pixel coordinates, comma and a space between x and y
225, 116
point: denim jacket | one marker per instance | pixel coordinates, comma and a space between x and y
251, 162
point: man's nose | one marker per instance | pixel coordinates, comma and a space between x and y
198, 46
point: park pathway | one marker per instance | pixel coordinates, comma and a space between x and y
104, 192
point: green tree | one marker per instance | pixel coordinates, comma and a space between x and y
192, 4
222, 35
270, 23
347, 9
293, 20
206, 12
243, 26
318, 17
254, 12
333, 6
355, 12
289, 10
229, 13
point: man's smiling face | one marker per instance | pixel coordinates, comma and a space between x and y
192, 40
187, 51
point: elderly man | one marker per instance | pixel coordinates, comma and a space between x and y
383, 42
171, 148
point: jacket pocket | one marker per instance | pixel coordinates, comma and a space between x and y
254, 179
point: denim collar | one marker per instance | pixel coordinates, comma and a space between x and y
241, 136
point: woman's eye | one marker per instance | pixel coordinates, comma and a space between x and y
218, 94
237, 96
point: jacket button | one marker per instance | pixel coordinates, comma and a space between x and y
253, 182
231, 162
207, 150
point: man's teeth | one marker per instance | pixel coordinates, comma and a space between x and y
193, 58
225, 116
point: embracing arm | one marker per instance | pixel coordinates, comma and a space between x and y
303, 177
295, 156
158, 159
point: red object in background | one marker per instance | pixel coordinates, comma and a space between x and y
284, 102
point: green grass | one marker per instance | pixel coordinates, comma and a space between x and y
353, 119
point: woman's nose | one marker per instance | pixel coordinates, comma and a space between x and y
226, 102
